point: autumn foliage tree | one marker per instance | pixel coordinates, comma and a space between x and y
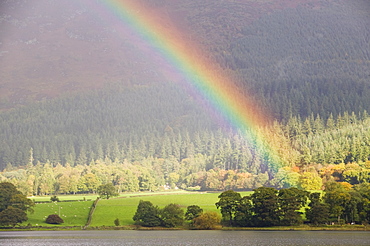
207, 221
336, 197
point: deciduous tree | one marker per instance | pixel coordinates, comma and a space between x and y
172, 215
13, 205
192, 212
265, 206
291, 201
107, 191
244, 212
318, 212
12, 216
11, 197
336, 197
228, 203
147, 214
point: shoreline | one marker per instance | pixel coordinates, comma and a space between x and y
133, 227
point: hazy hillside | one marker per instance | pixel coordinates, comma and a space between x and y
302, 61
53, 47
295, 57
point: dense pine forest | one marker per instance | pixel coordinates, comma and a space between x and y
306, 64
302, 61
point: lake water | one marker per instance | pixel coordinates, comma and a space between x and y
214, 238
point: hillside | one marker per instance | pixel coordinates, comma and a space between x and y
295, 57
51, 48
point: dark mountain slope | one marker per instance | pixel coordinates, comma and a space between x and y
309, 56
305, 61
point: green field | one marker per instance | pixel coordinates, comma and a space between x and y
64, 198
73, 213
124, 208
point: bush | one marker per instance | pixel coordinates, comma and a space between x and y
54, 219
54, 199
116, 222
207, 221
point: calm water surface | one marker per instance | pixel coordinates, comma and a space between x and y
259, 238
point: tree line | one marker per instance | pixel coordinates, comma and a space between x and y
172, 215
153, 174
339, 203
267, 207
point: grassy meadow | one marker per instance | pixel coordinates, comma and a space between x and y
65, 198
73, 213
125, 207
74, 209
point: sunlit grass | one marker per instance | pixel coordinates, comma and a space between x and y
73, 213
65, 198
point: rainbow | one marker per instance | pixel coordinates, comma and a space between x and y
203, 75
